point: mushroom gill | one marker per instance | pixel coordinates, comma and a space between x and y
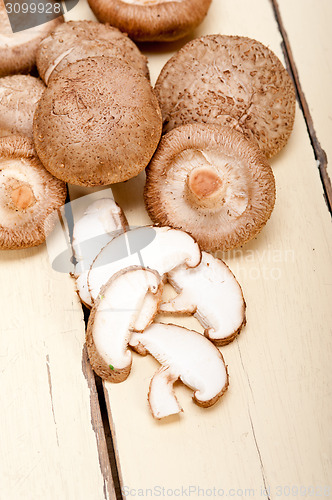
212, 182
29, 195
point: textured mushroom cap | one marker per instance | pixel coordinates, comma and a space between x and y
18, 50
113, 317
233, 81
97, 123
28, 195
19, 96
77, 40
152, 20
211, 292
221, 213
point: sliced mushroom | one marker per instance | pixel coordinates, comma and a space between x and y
101, 222
113, 317
185, 355
233, 81
211, 292
158, 248
19, 96
212, 182
77, 40
18, 50
97, 123
152, 20
28, 195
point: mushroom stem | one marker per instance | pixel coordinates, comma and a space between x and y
22, 197
205, 187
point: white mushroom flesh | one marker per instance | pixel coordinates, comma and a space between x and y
212, 292
188, 356
168, 249
118, 309
101, 222
162, 399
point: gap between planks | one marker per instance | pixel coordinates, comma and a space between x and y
99, 415
319, 152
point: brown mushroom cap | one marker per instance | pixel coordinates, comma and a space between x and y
213, 183
233, 81
18, 50
97, 123
152, 20
19, 96
77, 40
28, 195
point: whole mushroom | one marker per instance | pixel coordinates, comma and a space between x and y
29, 195
97, 123
152, 20
18, 50
213, 183
229, 80
19, 96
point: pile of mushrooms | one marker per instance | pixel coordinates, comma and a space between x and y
122, 282
228, 104
97, 122
225, 105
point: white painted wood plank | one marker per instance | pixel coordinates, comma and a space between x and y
271, 430
308, 26
50, 426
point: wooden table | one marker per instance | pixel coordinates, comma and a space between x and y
271, 435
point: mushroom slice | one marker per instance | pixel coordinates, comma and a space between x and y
152, 20
19, 96
113, 317
77, 40
18, 50
212, 182
158, 248
185, 355
101, 222
97, 123
210, 292
229, 80
29, 195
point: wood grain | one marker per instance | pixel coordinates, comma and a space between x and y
270, 430
307, 49
52, 441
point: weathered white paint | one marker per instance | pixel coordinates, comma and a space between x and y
308, 26
271, 429
49, 445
